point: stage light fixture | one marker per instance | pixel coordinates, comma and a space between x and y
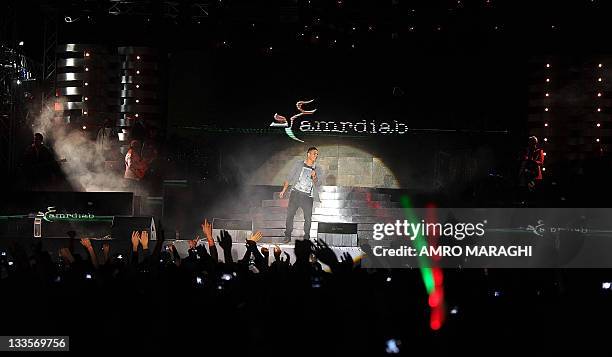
84, 127
20, 43
548, 65
546, 124
547, 80
545, 109
85, 113
86, 83
597, 140
547, 94
598, 125
543, 169
599, 79
86, 69
137, 100
86, 54
136, 115
137, 57
606, 285
86, 98
137, 86
598, 110
546, 139
137, 72
599, 94
600, 65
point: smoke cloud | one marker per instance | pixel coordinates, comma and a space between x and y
84, 167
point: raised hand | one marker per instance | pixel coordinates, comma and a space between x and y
66, 255
277, 252
106, 251
85, 242
194, 242
255, 237
135, 240
346, 260
225, 240
144, 239
324, 253
207, 230
287, 258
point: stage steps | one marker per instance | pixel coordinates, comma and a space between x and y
339, 204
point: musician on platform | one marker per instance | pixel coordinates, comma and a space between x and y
135, 166
305, 179
530, 175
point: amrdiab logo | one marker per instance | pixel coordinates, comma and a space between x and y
282, 122
336, 127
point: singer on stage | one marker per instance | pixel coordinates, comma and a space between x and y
305, 179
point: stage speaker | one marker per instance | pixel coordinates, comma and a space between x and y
338, 234
123, 227
240, 230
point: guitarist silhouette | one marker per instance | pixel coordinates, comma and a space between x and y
135, 166
530, 174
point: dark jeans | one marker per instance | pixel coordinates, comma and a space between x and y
297, 200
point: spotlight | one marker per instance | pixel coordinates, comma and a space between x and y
547, 94
546, 124
86, 83
600, 65
544, 153
543, 169
599, 94
454, 310
598, 125
546, 139
547, 80
599, 79
597, 140
137, 86
545, 109
137, 57
136, 115
86, 98
85, 113
86, 69
598, 109
137, 72
606, 285
137, 101
548, 65
84, 127
20, 43
86, 54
